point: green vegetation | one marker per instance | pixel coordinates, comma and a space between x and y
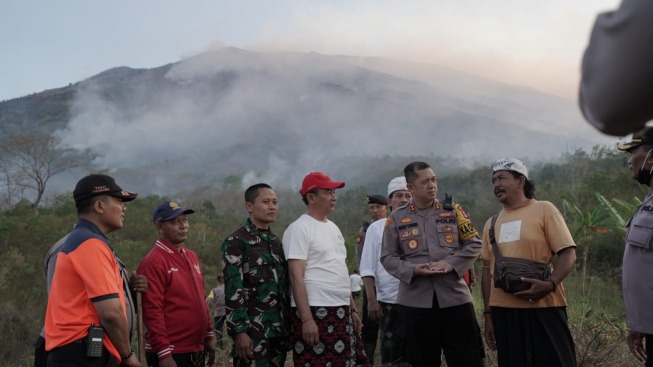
595, 311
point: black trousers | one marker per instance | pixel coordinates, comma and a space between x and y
194, 359
430, 331
74, 355
40, 355
533, 337
370, 331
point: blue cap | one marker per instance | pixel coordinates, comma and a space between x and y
169, 210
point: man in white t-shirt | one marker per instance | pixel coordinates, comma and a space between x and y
381, 287
322, 307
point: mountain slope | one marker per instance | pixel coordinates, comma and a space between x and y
277, 116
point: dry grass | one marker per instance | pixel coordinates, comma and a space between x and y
596, 319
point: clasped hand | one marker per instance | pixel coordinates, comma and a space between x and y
433, 268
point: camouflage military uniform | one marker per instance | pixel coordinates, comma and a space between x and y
257, 292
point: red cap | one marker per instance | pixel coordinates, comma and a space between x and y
318, 180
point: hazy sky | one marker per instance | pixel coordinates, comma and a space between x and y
48, 44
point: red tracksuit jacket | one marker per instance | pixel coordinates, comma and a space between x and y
174, 308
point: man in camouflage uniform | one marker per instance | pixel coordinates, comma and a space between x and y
256, 285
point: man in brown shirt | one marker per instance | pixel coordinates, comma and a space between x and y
527, 328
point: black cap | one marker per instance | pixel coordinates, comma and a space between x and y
377, 199
642, 137
96, 185
169, 210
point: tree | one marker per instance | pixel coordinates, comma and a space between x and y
29, 161
9, 179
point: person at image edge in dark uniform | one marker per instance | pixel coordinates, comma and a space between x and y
638, 256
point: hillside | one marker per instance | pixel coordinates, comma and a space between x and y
276, 116
42, 113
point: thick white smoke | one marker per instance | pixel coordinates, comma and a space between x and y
274, 117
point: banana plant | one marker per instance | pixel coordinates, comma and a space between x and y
617, 220
602, 219
628, 206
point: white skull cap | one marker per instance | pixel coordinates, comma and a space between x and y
397, 183
510, 164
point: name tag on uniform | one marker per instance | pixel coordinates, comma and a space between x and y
510, 231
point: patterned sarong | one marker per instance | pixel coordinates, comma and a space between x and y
338, 345
391, 337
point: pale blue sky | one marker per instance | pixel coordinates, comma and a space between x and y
48, 44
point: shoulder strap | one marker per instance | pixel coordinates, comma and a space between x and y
131, 313
495, 248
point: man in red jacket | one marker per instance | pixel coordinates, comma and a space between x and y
179, 328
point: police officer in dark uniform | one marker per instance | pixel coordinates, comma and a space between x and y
638, 255
428, 245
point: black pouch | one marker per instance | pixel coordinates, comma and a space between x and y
509, 271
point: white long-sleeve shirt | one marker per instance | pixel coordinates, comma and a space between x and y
387, 286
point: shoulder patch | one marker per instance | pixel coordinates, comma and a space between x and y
359, 237
465, 228
387, 222
460, 210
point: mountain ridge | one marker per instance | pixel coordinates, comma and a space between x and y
235, 111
